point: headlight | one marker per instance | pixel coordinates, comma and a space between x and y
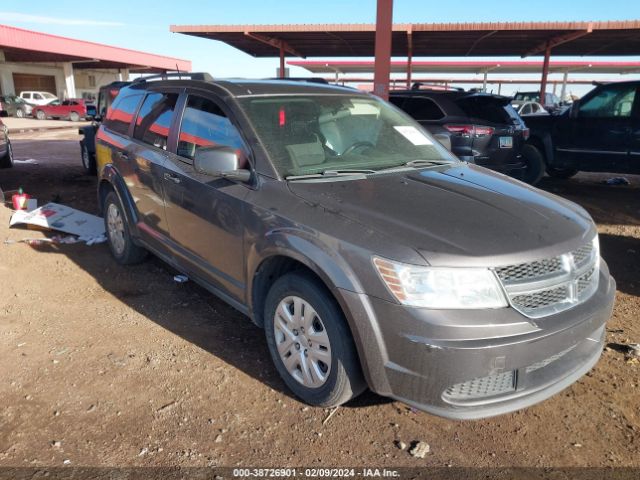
441, 288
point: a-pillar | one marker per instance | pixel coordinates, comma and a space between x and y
69, 81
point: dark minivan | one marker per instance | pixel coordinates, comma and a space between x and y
482, 128
370, 255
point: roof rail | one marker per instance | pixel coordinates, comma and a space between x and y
301, 79
429, 86
203, 76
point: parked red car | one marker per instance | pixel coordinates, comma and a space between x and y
73, 109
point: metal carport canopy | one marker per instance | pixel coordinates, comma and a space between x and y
470, 67
429, 39
20, 45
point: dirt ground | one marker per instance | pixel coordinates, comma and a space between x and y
105, 365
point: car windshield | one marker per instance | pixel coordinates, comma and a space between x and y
314, 134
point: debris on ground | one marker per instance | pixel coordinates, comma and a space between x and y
62, 218
419, 449
180, 278
60, 240
633, 350
330, 415
400, 444
616, 181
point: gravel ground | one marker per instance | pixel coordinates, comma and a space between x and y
105, 365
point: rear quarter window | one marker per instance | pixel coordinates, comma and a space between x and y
120, 114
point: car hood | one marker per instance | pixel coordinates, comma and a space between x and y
459, 215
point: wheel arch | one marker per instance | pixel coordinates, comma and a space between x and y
112, 181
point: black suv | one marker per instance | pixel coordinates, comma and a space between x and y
482, 128
96, 112
368, 252
599, 133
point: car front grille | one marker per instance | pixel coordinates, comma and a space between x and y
547, 286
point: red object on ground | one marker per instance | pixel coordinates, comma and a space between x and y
20, 200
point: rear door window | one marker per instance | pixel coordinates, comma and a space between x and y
121, 113
204, 124
154, 119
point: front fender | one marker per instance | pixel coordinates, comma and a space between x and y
111, 176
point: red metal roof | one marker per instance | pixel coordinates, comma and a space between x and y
437, 39
21, 45
473, 67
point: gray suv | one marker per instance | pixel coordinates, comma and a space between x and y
369, 254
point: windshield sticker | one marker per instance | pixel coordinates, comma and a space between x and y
414, 135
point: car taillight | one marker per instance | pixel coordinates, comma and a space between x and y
475, 130
525, 133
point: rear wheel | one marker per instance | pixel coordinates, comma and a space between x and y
310, 343
121, 244
40, 115
20, 113
88, 160
74, 116
534, 164
561, 172
7, 160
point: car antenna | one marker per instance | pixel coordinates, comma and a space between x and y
178, 70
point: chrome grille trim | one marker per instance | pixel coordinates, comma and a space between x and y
547, 286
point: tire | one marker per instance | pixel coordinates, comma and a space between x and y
535, 165
561, 172
19, 113
88, 160
326, 347
7, 160
40, 115
121, 244
74, 117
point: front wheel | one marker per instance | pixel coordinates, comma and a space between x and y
74, 116
7, 160
310, 342
40, 115
88, 160
121, 244
561, 172
19, 113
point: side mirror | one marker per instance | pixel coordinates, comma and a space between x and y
91, 112
220, 162
444, 139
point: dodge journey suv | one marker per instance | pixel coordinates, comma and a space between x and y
370, 255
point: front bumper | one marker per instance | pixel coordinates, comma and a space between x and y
466, 364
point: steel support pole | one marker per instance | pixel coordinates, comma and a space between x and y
563, 90
384, 26
281, 60
409, 57
484, 81
545, 73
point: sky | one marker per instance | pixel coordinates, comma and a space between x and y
144, 25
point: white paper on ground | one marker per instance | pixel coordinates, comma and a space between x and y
414, 135
61, 218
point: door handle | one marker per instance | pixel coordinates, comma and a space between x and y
172, 178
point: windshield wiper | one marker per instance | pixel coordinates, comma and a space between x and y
416, 164
332, 173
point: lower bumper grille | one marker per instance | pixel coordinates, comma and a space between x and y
489, 386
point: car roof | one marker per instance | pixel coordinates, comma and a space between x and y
449, 94
241, 87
